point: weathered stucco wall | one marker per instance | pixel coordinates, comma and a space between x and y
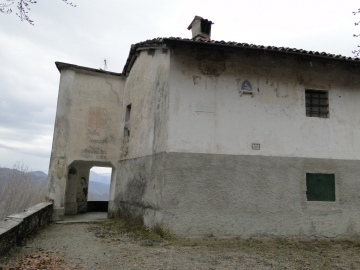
208, 115
231, 195
146, 89
87, 128
179, 137
138, 177
77, 186
222, 187
95, 111
139, 189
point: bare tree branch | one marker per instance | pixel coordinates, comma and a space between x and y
24, 8
19, 190
356, 52
67, 2
4, 7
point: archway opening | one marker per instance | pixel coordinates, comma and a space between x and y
99, 183
99, 189
90, 186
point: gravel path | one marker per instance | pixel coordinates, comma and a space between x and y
113, 245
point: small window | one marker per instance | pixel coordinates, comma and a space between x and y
317, 103
127, 113
151, 52
320, 187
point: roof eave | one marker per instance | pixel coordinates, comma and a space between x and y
223, 45
60, 66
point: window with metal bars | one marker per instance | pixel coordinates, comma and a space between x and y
317, 103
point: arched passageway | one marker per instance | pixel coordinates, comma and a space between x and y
77, 188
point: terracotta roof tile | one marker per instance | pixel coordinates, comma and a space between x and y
164, 41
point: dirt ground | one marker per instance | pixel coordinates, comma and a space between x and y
114, 244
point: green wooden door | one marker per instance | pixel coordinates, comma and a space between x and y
320, 187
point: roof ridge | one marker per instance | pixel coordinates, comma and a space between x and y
161, 40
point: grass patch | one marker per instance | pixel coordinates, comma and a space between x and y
298, 250
111, 229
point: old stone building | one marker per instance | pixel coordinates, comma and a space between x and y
212, 137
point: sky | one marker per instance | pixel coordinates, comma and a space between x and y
92, 31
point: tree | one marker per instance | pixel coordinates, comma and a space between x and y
19, 189
24, 7
357, 52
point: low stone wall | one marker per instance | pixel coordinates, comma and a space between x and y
19, 226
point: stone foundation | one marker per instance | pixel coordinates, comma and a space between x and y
231, 195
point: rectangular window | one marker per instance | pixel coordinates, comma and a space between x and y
126, 137
317, 103
320, 187
127, 113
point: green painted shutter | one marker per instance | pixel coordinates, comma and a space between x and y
320, 187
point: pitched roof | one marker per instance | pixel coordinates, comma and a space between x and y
161, 42
61, 65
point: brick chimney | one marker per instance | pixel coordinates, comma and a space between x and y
201, 28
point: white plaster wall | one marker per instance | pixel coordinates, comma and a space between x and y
252, 196
146, 89
207, 114
139, 172
87, 125
95, 117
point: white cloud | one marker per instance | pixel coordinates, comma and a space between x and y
93, 30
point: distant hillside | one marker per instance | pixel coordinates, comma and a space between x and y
38, 177
99, 185
100, 177
20, 189
98, 191
39, 174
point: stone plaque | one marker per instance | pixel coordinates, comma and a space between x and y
255, 146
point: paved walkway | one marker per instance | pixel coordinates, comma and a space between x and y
79, 243
84, 218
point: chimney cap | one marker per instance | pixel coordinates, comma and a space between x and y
197, 18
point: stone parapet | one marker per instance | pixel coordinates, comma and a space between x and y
19, 226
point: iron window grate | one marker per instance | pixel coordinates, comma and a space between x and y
317, 103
